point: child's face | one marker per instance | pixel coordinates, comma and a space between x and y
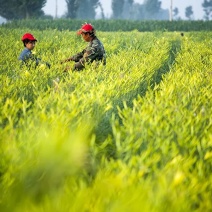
30, 45
86, 37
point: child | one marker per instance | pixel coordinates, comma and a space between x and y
26, 56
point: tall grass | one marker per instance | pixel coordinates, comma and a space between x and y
134, 135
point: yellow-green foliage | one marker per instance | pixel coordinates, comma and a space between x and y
135, 135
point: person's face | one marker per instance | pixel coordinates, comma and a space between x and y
30, 45
86, 36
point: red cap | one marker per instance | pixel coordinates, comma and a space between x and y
85, 28
29, 37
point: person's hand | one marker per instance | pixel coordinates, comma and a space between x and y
66, 60
67, 68
62, 61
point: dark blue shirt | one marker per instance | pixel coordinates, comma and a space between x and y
27, 58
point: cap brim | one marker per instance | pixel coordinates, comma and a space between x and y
29, 39
79, 32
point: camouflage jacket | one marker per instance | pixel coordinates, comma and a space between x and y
93, 52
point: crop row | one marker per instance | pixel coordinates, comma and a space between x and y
112, 25
134, 133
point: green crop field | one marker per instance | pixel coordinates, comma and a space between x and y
135, 135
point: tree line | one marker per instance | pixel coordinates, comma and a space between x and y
87, 9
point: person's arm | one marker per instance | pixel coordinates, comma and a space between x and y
75, 57
81, 63
95, 51
90, 54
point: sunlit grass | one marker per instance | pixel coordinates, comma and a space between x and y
134, 135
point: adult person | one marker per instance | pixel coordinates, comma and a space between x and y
26, 57
93, 52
